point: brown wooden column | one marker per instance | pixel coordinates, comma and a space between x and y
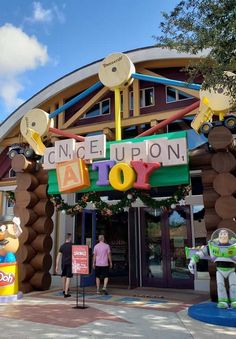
35, 210
223, 164
219, 186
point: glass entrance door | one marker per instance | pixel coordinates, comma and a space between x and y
178, 236
115, 230
153, 248
89, 238
164, 236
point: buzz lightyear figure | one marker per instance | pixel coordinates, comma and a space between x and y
221, 249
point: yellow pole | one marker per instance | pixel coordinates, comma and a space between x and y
117, 114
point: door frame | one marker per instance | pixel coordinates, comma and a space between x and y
133, 253
88, 280
172, 282
167, 281
146, 281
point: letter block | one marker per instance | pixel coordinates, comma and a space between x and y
72, 176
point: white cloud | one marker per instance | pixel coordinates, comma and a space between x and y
43, 15
9, 91
40, 14
19, 53
59, 14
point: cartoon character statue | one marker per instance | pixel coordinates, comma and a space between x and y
221, 249
10, 230
9, 242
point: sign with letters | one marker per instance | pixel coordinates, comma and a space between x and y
169, 152
80, 259
97, 165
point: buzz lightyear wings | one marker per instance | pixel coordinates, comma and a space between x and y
212, 251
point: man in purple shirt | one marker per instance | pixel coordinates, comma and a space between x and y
101, 263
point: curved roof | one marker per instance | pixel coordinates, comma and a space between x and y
82, 73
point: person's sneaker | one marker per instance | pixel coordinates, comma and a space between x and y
98, 292
67, 292
104, 291
222, 304
67, 295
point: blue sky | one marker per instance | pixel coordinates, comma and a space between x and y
43, 40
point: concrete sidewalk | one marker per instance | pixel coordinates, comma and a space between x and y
43, 316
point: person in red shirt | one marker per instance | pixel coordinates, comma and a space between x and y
101, 263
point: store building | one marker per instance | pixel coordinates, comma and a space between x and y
147, 244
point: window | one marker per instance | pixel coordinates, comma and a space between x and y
101, 108
131, 100
173, 95
146, 98
121, 102
94, 133
196, 184
130, 132
12, 173
8, 204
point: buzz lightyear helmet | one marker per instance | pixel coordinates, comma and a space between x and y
223, 235
222, 245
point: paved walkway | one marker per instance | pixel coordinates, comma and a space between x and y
49, 315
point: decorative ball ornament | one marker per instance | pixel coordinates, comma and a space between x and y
217, 99
173, 206
115, 71
129, 196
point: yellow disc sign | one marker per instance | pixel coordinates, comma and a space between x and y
218, 99
115, 71
34, 126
